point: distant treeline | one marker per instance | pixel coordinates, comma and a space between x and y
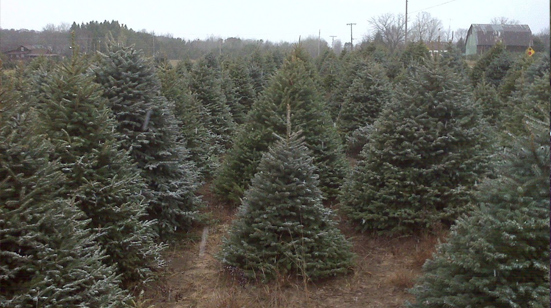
91, 37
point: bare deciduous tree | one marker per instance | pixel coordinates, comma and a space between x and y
503, 21
460, 33
391, 27
426, 28
337, 46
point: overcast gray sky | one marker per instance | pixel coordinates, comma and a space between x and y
273, 20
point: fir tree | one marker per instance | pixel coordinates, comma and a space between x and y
149, 130
100, 175
294, 84
261, 68
242, 89
282, 226
48, 257
330, 72
493, 66
199, 140
514, 74
453, 58
206, 85
526, 101
415, 52
498, 256
425, 154
351, 65
491, 104
364, 101
539, 67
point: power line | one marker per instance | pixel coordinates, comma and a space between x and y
431, 7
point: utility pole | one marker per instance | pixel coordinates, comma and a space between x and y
351, 37
332, 41
406, 38
319, 41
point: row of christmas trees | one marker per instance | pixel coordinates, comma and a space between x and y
102, 158
429, 158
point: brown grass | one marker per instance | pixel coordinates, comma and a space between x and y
385, 268
402, 278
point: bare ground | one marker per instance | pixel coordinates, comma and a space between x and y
384, 269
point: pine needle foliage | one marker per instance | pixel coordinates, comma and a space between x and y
242, 90
295, 84
149, 130
199, 140
425, 154
48, 256
498, 256
100, 175
493, 66
282, 226
364, 100
527, 100
206, 84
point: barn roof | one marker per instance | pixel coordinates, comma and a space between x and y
511, 35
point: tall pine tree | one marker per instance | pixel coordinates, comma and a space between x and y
48, 257
498, 256
100, 175
294, 84
283, 227
425, 154
149, 130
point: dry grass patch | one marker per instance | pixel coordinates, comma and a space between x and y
385, 267
402, 278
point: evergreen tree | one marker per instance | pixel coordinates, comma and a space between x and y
453, 58
330, 72
498, 256
424, 156
415, 52
206, 85
100, 175
351, 64
539, 67
243, 94
527, 101
294, 84
149, 131
491, 104
282, 226
261, 68
199, 140
493, 66
48, 258
364, 101
514, 74
375, 51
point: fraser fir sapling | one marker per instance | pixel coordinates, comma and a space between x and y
282, 226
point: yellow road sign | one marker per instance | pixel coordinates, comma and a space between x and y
530, 51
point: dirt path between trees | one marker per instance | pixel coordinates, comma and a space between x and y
385, 269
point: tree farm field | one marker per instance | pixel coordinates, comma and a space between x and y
384, 269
